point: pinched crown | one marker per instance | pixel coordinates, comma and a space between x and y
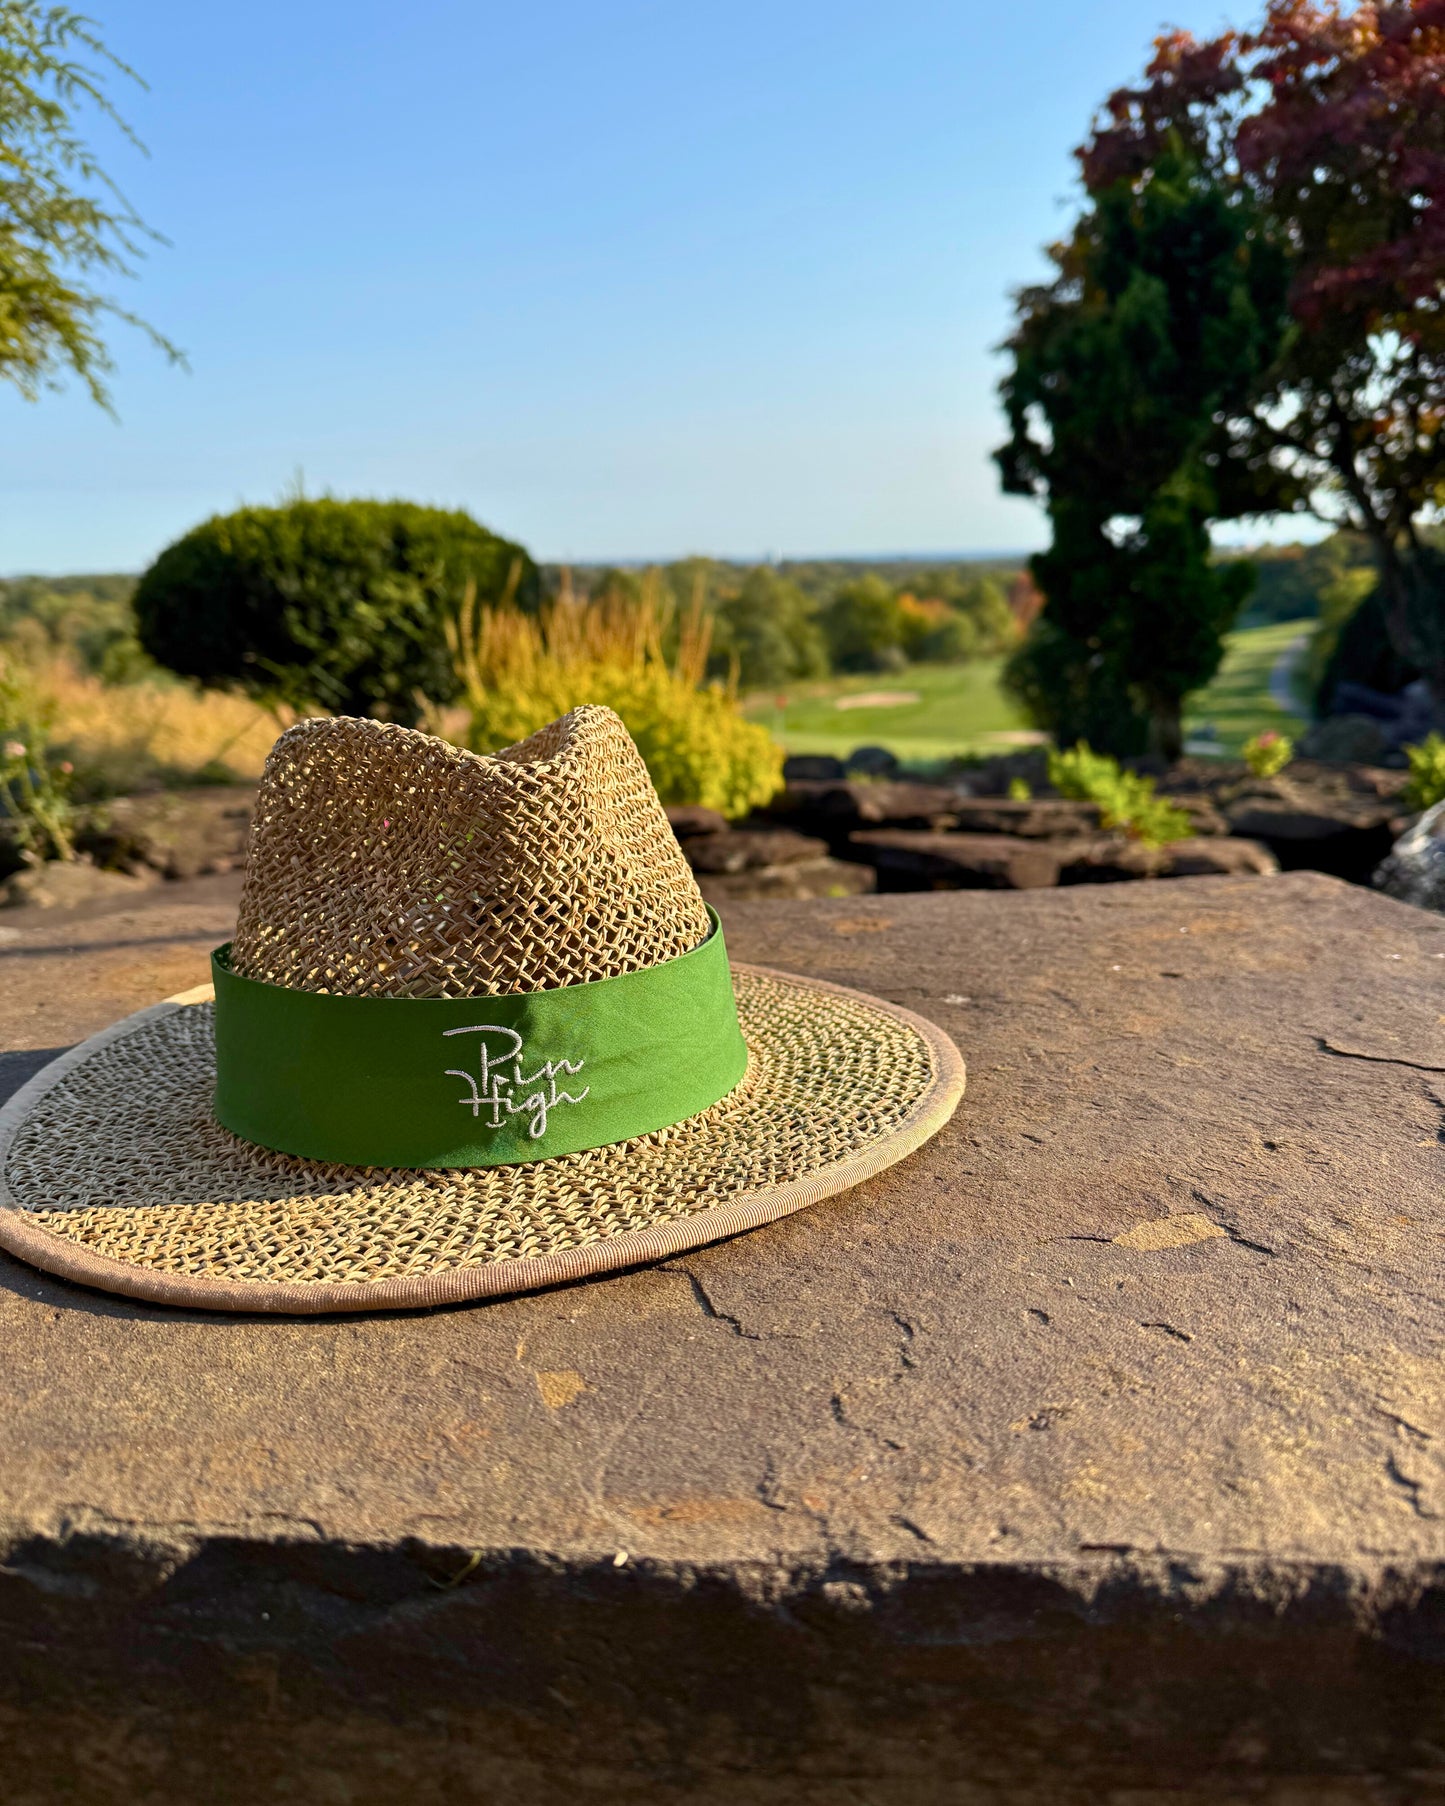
387, 863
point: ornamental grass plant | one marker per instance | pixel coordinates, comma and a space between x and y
150, 734
637, 654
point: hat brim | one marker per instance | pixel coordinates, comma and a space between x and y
114, 1175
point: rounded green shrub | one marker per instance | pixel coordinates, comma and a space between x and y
326, 604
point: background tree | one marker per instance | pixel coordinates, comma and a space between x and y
984, 602
865, 626
1167, 311
1330, 120
1291, 582
767, 630
957, 618
86, 620
64, 225
326, 604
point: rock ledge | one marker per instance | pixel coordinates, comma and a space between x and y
1094, 1452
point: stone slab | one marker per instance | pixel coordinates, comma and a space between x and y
916, 859
1038, 818
750, 849
820, 877
1094, 1454
835, 809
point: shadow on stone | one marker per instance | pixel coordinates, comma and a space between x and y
16, 1069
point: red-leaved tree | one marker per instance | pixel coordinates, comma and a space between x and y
1332, 117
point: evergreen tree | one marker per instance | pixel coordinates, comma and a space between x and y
768, 630
1167, 311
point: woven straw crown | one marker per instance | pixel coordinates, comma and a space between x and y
387, 863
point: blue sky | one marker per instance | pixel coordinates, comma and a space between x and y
625, 279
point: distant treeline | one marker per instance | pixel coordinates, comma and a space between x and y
772, 623
86, 619
791, 621
820, 578
796, 619
1301, 582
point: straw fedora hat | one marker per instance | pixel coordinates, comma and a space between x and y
476, 1034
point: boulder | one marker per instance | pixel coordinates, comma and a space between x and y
1204, 817
69, 883
810, 768
12, 854
993, 776
177, 833
871, 762
1192, 776
1040, 818
1347, 845
807, 878
835, 810
1109, 859
1313, 783
1218, 856
750, 849
1345, 739
1316, 820
1094, 1453
1388, 781
1115, 858
1402, 716
907, 859
1414, 870
687, 819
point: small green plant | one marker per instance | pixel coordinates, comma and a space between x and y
1268, 753
34, 786
1020, 790
1125, 799
1427, 773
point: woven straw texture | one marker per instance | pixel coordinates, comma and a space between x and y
386, 863
121, 1156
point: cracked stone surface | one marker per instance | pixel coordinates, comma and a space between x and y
1095, 1453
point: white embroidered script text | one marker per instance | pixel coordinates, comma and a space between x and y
500, 1088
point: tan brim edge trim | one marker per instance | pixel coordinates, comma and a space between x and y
498, 1279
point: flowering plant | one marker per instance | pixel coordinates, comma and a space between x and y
35, 803
1268, 753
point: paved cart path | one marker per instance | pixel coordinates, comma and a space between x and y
1282, 674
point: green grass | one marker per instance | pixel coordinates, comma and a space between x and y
959, 708
962, 709
1238, 702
